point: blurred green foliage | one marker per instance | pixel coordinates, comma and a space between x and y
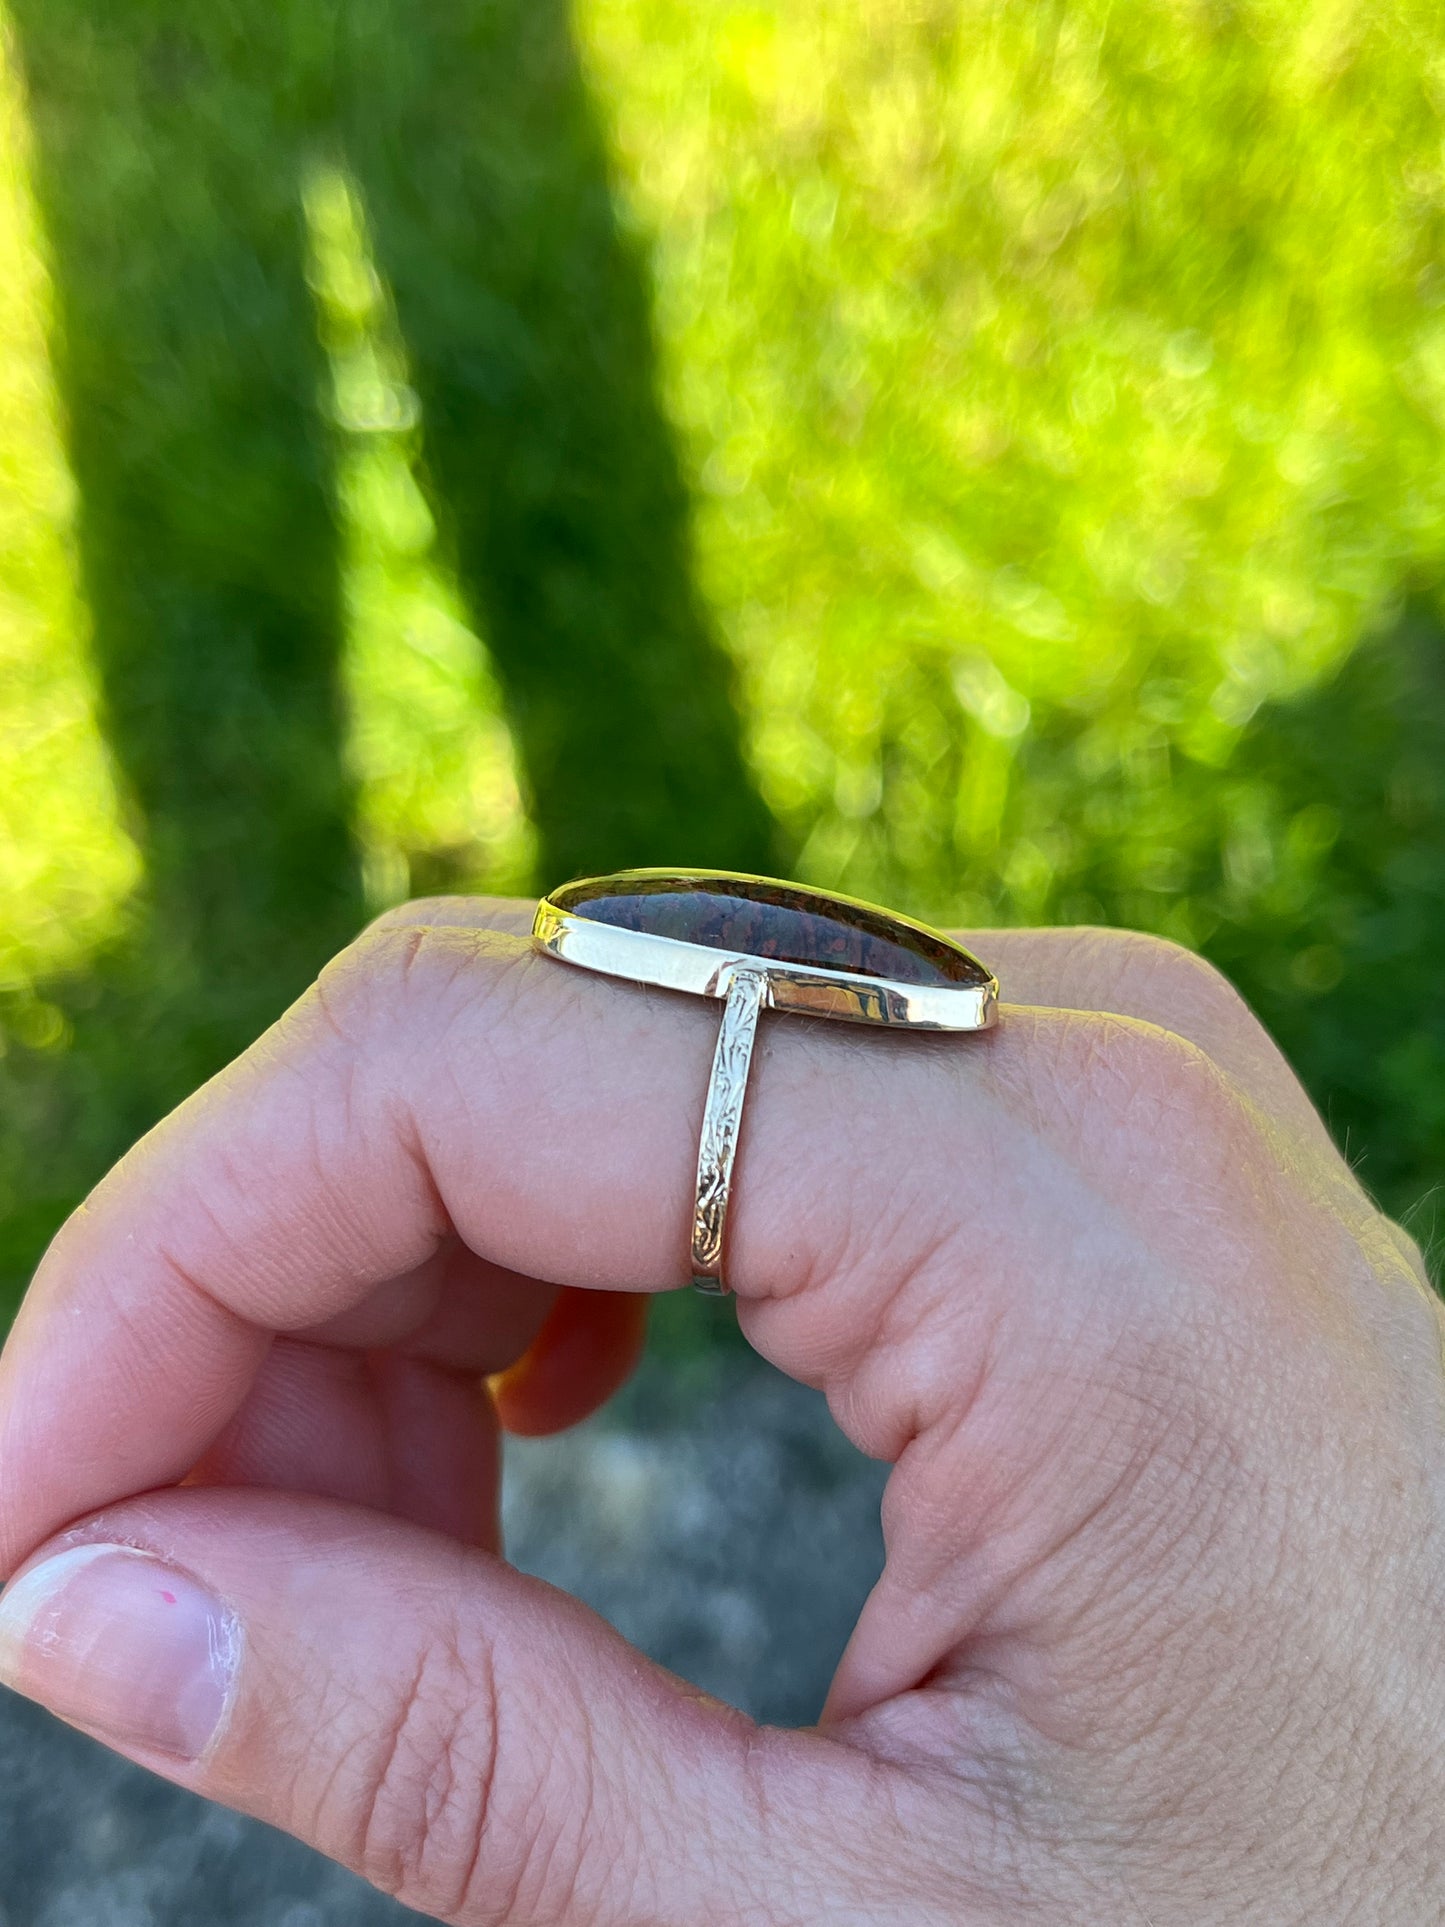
984, 457
1328, 883
281, 238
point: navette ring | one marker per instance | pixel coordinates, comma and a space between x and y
759, 944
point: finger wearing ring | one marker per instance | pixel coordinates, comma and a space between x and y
759, 944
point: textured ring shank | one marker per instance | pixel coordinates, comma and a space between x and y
722, 1120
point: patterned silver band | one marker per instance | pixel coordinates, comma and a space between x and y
722, 1120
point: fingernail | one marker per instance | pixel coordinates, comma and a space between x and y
118, 1642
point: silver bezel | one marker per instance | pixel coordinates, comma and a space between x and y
642, 958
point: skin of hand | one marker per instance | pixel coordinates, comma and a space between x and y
1158, 1636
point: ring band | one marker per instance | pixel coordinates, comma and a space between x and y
759, 944
722, 1120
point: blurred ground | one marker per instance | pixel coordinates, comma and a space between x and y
731, 1532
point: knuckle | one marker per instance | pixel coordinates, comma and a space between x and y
471, 912
415, 913
407, 963
422, 1799
360, 980
1174, 986
1156, 1087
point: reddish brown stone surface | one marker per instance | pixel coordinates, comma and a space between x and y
780, 921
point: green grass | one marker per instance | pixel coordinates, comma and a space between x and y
984, 457
1052, 366
66, 862
433, 760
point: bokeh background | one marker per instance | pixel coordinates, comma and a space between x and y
989, 457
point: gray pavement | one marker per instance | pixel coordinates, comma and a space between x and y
716, 1517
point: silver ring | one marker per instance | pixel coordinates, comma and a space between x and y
759, 944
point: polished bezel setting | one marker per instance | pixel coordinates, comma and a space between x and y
640, 956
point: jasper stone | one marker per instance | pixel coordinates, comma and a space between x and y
758, 917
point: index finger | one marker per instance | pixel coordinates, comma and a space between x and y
442, 1081
1065, 967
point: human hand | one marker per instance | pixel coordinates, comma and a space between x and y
1156, 1638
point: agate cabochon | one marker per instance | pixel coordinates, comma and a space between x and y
779, 922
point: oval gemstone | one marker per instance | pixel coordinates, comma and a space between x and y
781, 922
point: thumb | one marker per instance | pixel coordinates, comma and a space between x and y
465, 1737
